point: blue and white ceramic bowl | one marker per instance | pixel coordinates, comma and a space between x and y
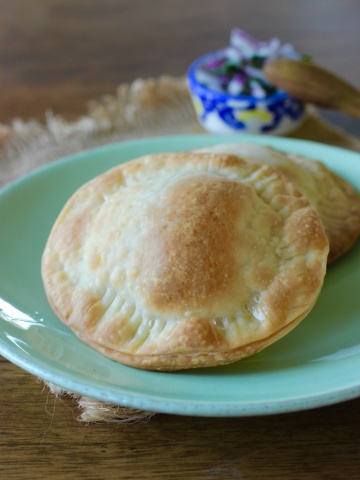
219, 112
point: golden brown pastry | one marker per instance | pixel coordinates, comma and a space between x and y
336, 201
183, 260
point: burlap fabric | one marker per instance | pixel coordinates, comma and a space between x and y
144, 108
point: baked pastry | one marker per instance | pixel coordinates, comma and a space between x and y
336, 201
182, 260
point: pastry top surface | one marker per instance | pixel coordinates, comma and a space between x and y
336, 201
181, 260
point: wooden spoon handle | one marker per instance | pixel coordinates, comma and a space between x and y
351, 106
313, 84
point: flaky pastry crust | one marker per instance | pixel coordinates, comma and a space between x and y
336, 201
183, 260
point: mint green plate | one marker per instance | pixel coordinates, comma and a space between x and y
317, 364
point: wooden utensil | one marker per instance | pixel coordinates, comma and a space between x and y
313, 84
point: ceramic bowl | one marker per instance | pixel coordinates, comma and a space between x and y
218, 112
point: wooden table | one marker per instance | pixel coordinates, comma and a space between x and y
60, 54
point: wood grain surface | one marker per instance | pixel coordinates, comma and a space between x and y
40, 438
58, 55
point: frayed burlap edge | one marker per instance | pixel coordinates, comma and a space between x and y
96, 411
145, 108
